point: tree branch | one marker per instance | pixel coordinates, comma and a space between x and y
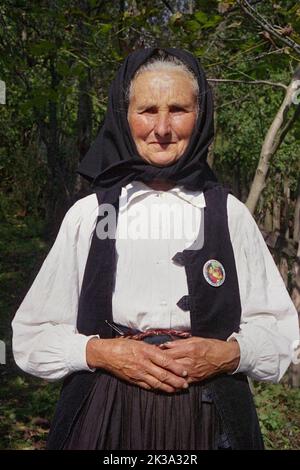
239, 100
167, 4
248, 82
277, 131
261, 21
288, 125
234, 8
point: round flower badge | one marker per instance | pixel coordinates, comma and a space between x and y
214, 272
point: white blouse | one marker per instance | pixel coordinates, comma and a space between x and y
148, 283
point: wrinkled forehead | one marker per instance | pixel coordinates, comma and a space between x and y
162, 85
139, 58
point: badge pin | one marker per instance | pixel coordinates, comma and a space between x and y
214, 272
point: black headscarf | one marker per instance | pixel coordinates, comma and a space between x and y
113, 159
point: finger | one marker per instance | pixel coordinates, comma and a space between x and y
168, 345
176, 353
163, 387
157, 384
181, 343
165, 376
151, 383
144, 385
162, 359
192, 380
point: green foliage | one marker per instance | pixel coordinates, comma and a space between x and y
244, 115
49, 49
278, 409
26, 404
24, 423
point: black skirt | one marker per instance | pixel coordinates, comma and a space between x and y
120, 416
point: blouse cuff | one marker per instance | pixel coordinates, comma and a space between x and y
247, 356
76, 353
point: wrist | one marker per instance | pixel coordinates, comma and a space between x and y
96, 352
234, 355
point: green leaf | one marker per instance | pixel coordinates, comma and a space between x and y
192, 25
105, 28
201, 17
199, 51
234, 24
176, 17
63, 68
212, 22
42, 48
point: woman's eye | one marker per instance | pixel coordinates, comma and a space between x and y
176, 109
151, 110
154, 110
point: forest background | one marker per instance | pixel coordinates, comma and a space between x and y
57, 59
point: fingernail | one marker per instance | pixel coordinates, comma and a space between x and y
184, 373
186, 385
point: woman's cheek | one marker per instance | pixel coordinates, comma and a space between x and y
141, 125
185, 122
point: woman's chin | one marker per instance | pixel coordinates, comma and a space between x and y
162, 160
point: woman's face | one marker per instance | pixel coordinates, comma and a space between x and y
162, 114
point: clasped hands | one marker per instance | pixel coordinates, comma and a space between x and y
169, 367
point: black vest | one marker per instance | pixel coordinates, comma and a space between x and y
215, 313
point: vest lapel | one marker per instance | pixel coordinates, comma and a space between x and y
95, 302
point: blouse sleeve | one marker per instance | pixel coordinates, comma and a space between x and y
269, 322
45, 340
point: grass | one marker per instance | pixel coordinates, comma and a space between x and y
278, 409
26, 409
26, 404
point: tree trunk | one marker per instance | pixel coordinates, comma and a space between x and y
295, 375
275, 135
57, 194
295, 368
276, 215
296, 281
211, 156
284, 270
276, 222
268, 222
84, 125
84, 131
285, 229
296, 231
191, 6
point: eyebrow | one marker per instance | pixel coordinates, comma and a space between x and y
174, 103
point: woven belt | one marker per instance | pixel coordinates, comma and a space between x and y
152, 335
156, 336
159, 332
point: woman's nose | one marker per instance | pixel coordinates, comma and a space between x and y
162, 125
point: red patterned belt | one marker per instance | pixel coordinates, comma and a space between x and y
133, 333
158, 332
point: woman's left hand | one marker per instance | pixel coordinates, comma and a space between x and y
203, 357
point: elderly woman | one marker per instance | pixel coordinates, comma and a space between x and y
156, 325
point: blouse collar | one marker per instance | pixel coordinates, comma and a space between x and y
138, 190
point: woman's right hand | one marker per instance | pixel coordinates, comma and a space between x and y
137, 362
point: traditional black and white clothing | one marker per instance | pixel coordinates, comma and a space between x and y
155, 282
46, 342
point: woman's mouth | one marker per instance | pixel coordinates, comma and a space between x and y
162, 144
